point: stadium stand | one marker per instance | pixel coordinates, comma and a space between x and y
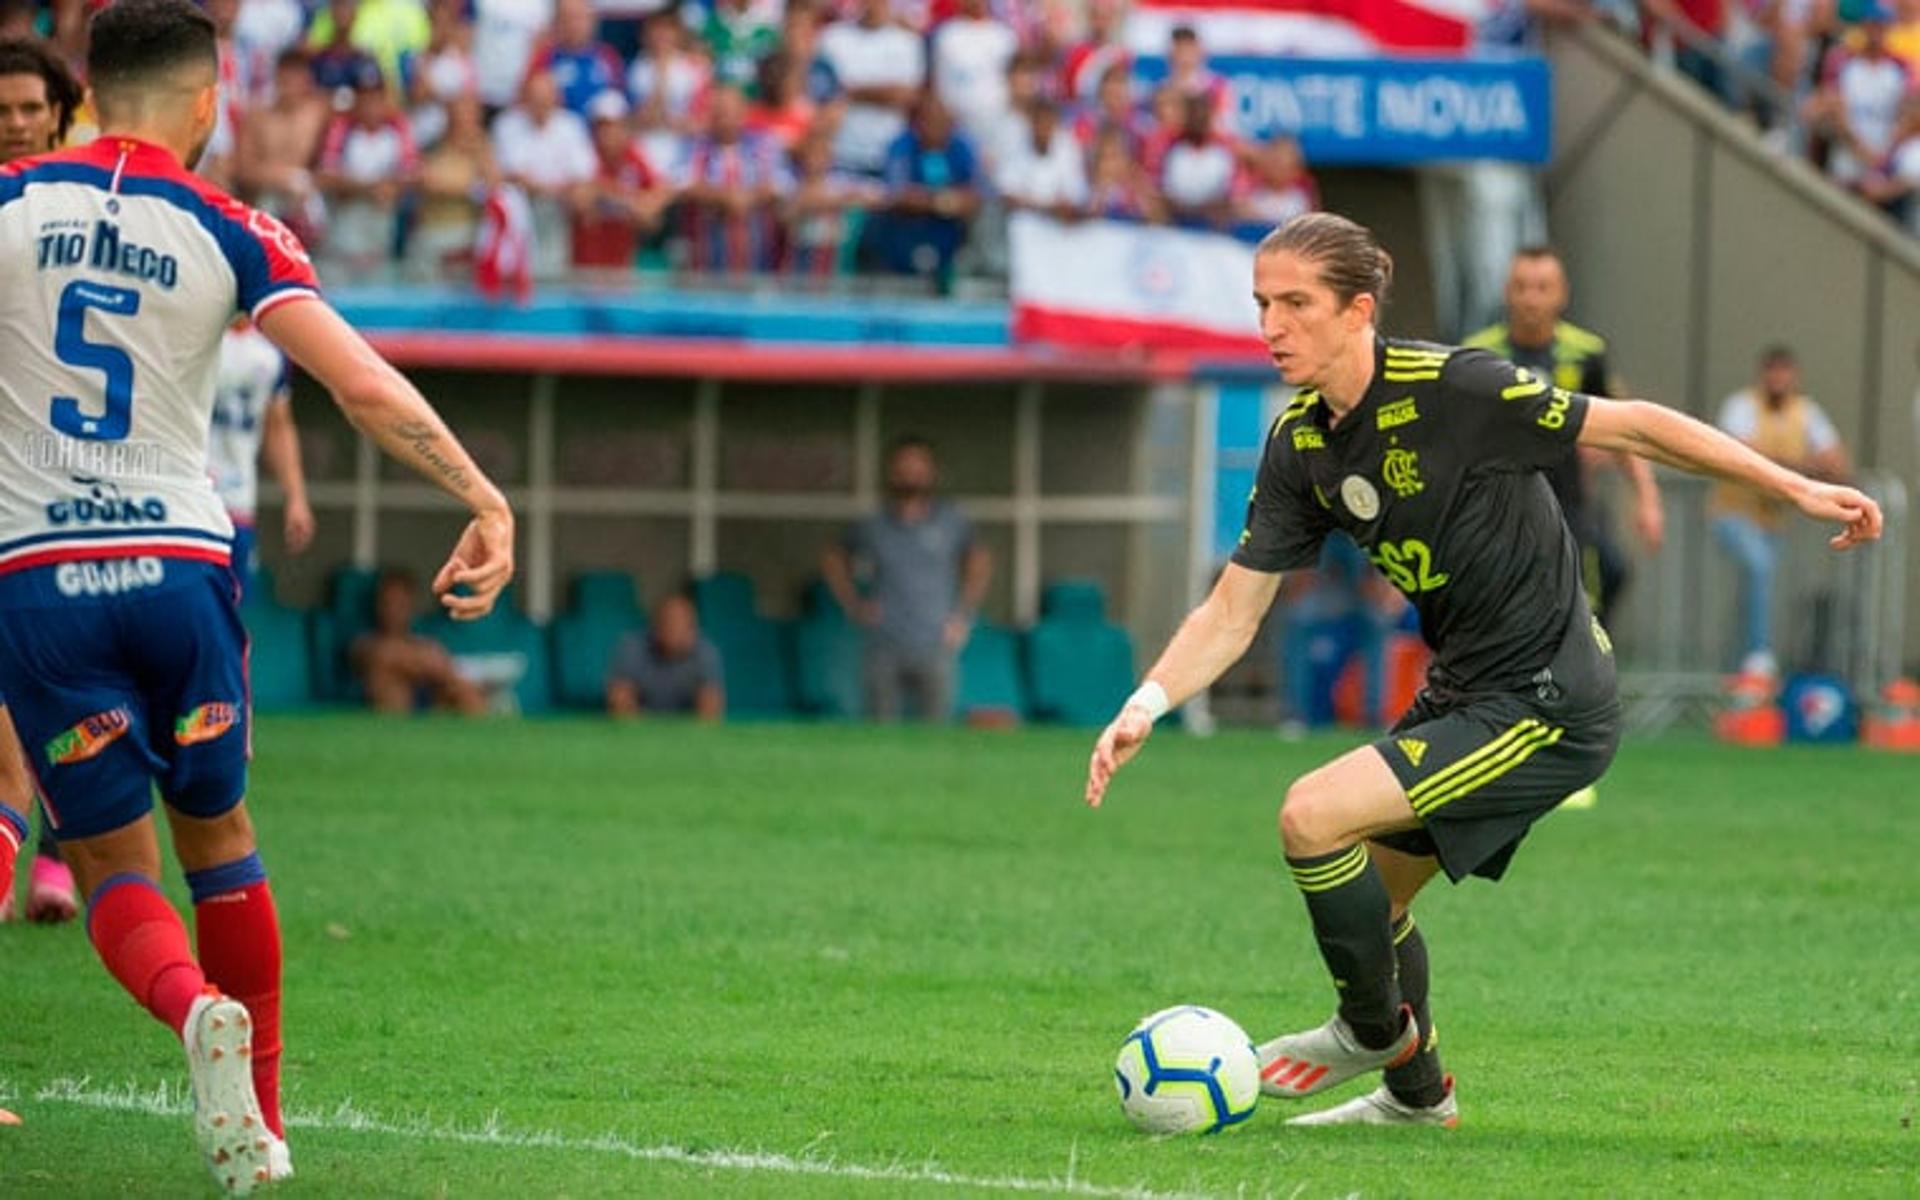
826, 658
603, 606
756, 651
1081, 664
827, 668
280, 662
424, 168
505, 651
992, 688
347, 614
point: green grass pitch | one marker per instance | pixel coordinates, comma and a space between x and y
571, 959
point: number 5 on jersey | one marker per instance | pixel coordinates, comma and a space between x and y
71, 345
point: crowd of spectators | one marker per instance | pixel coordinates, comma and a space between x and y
1835, 80
811, 137
815, 137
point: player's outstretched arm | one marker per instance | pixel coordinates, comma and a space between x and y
1659, 433
1211, 639
380, 403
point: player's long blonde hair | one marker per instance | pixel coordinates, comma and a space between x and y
1351, 261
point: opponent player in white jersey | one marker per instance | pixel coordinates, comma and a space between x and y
121, 647
253, 420
38, 96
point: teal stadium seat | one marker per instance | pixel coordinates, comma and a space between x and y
604, 592
725, 597
818, 600
754, 651
347, 614
496, 641
990, 683
1080, 665
279, 663
826, 651
603, 607
1082, 600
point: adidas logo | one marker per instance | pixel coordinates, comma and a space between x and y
1413, 748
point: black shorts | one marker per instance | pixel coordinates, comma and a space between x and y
1481, 768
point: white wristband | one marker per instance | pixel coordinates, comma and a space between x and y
1150, 696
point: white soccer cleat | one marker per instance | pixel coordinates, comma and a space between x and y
1301, 1064
233, 1138
279, 1160
1382, 1107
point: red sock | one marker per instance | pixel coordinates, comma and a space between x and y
239, 938
144, 944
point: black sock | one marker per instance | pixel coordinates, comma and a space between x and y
1418, 1081
1349, 906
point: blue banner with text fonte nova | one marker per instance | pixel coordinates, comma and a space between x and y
1383, 111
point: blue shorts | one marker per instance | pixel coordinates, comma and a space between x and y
246, 557
123, 673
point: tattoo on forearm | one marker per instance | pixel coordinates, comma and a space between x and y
428, 443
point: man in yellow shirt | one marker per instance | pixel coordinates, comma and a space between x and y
1780, 421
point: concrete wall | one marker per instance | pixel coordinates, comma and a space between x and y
1692, 247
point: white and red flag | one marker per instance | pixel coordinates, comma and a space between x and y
1113, 284
1309, 28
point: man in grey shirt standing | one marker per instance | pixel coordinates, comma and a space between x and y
925, 578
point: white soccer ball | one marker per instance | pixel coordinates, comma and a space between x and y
1187, 1069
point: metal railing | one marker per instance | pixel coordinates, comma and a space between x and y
1744, 87
1677, 629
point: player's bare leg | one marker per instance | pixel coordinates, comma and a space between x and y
50, 894
16, 798
1404, 874
237, 932
143, 943
1328, 815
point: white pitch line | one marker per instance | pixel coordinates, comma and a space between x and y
164, 1101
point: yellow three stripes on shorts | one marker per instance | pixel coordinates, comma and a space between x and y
1484, 765
1327, 876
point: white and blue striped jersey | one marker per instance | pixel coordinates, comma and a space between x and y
253, 377
119, 272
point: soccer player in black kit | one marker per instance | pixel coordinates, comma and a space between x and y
1536, 336
1431, 458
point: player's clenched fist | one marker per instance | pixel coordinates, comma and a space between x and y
1120, 742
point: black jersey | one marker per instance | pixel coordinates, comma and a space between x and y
1574, 359
1437, 474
